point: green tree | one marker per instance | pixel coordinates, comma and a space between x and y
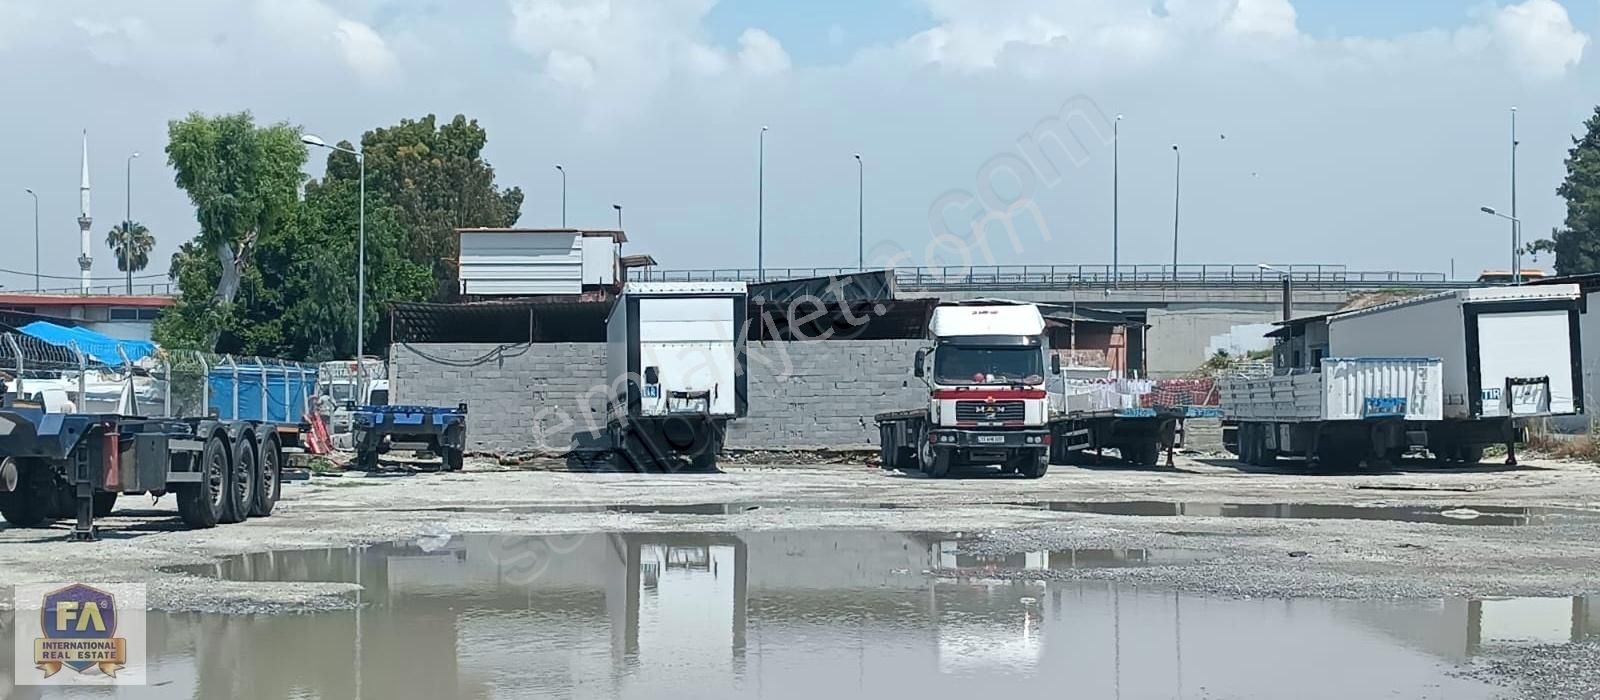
437, 180
313, 265
243, 180
131, 242
1577, 244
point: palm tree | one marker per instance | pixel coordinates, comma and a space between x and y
131, 242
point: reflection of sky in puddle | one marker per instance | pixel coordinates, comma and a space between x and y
834, 614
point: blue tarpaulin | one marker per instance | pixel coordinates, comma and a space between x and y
99, 347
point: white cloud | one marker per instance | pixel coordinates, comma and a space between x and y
315, 26
110, 42
365, 51
1539, 37
760, 54
616, 48
1086, 38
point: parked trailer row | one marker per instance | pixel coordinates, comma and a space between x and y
1450, 374
55, 466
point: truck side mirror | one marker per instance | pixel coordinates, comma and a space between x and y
652, 375
1055, 363
922, 357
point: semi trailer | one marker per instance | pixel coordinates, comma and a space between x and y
675, 363
1448, 373
75, 465
989, 402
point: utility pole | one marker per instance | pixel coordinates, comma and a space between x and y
127, 224
563, 195
861, 215
1116, 196
1516, 227
35, 195
761, 207
1177, 198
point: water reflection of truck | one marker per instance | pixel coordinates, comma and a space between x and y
989, 403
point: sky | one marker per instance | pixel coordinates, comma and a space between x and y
1363, 133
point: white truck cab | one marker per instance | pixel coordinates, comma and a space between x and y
986, 379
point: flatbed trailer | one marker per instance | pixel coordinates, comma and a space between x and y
73, 465
1140, 436
380, 429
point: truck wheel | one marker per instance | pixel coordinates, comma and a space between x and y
935, 462
104, 503
33, 502
1033, 464
270, 486
243, 478
200, 505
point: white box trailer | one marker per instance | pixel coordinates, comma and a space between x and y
1490, 360
675, 361
1528, 336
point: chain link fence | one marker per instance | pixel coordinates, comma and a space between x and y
104, 379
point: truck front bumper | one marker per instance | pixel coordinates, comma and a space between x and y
967, 438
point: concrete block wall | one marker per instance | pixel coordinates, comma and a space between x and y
824, 394
544, 396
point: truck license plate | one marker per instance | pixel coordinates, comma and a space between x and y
991, 439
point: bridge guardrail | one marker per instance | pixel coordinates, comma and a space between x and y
1086, 276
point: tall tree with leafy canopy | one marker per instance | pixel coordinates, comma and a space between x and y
437, 180
131, 243
1577, 244
243, 179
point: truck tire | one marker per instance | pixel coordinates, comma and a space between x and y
934, 461
1033, 464
33, 502
270, 486
104, 503
200, 505
244, 477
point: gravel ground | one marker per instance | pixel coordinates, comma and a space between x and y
1565, 672
1236, 556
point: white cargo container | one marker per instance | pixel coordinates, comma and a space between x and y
1504, 355
675, 359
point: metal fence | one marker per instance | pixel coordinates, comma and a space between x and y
165, 384
156, 289
1086, 276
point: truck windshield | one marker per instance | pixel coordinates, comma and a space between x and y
954, 364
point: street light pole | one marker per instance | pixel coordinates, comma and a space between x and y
35, 196
361, 245
861, 214
761, 207
1516, 227
1116, 195
1288, 289
618, 207
1516, 237
127, 222
563, 195
1177, 198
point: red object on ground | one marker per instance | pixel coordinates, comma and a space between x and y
320, 443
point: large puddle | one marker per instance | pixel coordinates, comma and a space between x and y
1447, 515
1440, 515
815, 614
